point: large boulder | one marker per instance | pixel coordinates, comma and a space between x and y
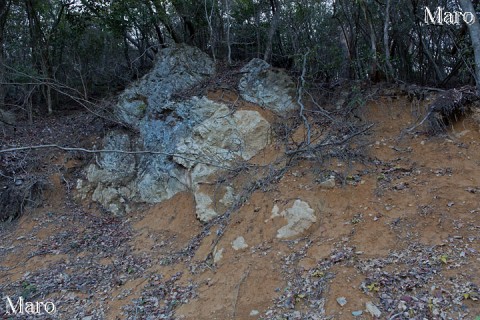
224, 137
268, 87
216, 144
193, 141
176, 69
113, 167
119, 180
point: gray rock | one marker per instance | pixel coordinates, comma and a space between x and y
145, 105
328, 183
271, 88
228, 198
177, 68
113, 166
195, 138
156, 184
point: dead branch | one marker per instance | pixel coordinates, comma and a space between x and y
446, 107
320, 109
62, 89
327, 144
299, 98
55, 146
242, 280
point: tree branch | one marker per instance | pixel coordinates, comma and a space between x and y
56, 146
300, 93
326, 144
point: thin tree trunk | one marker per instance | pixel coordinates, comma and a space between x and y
439, 72
161, 40
373, 42
386, 41
229, 46
210, 28
49, 100
474, 29
271, 33
164, 18
4, 9
257, 29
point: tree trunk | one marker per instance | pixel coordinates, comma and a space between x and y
257, 29
164, 18
209, 16
386, 41
158, 31
474, 29
4, 9
373, 73
41, 49
271, 33
229, 45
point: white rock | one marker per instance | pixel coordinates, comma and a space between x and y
372, 309
228, 198
275, 212
239, 243
300, 217
203, 207
217, 255
254, 313
253, 131
341, 301
221, 140
224, 137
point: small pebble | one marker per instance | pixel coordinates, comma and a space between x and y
357, 313
342, 301
254, 313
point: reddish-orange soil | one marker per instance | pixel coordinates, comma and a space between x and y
417, 195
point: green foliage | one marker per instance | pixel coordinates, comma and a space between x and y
28, 290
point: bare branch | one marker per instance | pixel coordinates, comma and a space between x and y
65, 90
55, 146
300, 93
326, 144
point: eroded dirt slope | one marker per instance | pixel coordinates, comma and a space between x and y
400, 229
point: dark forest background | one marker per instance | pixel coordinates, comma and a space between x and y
55, 52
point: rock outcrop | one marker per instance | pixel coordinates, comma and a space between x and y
177, 68
192, 139
268, 87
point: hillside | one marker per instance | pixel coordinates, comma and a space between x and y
397, 224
